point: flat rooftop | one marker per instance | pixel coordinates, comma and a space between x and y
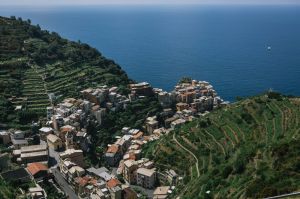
146, 172
34, 148
34, 154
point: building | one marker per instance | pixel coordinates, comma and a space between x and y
37, 192
123, 143
30, 154
146, 177
114, 187
100, 173
141, 89
49, 112
187, 97
73, 155
169, 121
172, 177
129, 173
177, 123
99, 114
161, 192
128, 193
83, 186
113, 155
57, 121
64, 167
44, 132
115, 192
18, 143
4, 137
4, 161
166, 99
70, 171
64, 130
54, 142
151, 124
181, 106
82, 140
18, 139
18, 135
69, 142
113, 183
37, 170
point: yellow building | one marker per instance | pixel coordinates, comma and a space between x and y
54, 142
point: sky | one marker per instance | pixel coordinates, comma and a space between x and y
143, 2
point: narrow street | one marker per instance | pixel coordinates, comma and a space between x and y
64, 184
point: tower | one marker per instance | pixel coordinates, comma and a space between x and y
69, 140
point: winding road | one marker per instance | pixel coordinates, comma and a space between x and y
197, 161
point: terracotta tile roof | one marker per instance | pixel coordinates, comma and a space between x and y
82, 181
36, 167
66, 129
132, 156
113, 149
113, 182
138, 135
93, 181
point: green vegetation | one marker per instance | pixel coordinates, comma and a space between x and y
185, 80
6, 190
12, 190
51, 191
35, 63
249, 149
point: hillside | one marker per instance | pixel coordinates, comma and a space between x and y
35, 63
249, 149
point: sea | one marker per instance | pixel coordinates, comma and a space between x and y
241, 50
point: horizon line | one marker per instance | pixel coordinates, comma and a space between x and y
145, 3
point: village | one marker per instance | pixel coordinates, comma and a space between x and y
57, 155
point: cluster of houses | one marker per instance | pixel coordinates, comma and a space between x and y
95, 183
197, 96
24, 162
125, 154
65, 139
187, 101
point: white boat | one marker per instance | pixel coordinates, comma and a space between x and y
269, 47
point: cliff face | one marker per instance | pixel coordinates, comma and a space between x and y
246, 150
35, 63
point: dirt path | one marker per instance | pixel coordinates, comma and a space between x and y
224, 132
282, 117
197, 161
235, 134
222, 148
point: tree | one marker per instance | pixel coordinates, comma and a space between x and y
185, 80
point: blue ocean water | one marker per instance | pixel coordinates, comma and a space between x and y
225, 45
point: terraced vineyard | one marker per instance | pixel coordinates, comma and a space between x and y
35, 63
249, 149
